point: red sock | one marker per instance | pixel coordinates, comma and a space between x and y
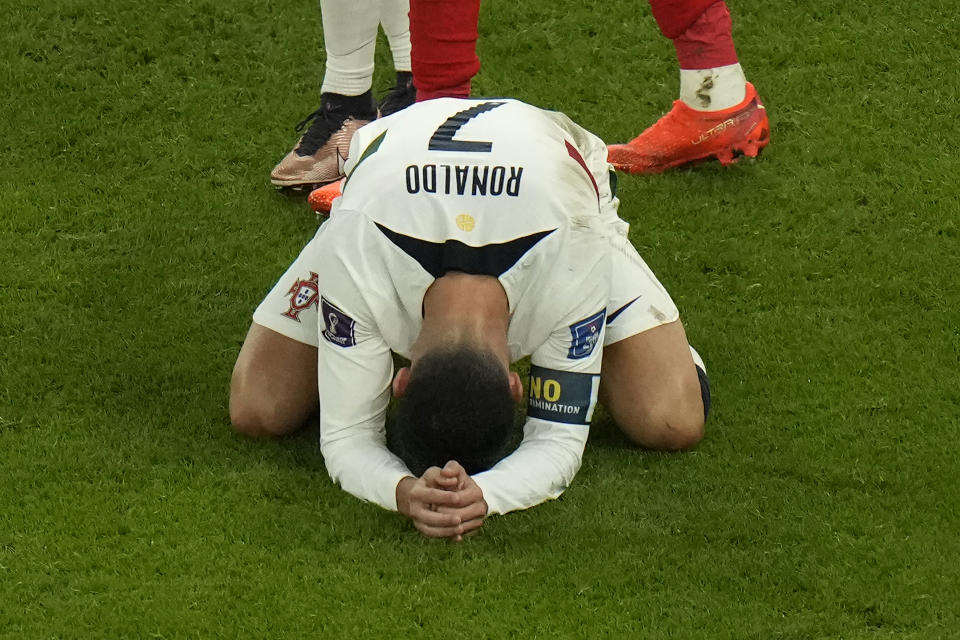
708, 42
675, 16
443, 37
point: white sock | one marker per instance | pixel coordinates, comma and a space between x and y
396, 25
713, 89
350, 38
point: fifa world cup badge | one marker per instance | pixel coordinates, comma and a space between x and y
303, 295
585, 334
338, 326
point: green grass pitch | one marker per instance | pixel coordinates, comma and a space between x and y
821, 283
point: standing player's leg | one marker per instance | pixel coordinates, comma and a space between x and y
718, 115
274, 385
396, 26
443, 58
443, 34
346, 101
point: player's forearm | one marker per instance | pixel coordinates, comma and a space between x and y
541, 468
365, 468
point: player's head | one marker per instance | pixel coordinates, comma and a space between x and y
456, 403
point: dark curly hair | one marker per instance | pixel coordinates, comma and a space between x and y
457, 406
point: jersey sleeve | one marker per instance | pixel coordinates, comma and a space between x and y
561, 396
355, 368
540, 469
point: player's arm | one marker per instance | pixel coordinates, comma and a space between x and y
354, 369
561, 396
560, 405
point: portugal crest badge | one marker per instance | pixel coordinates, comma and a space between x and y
303, 295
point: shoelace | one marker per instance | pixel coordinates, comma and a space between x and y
399, 97
323, 124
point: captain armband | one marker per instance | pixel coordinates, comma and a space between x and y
562, 396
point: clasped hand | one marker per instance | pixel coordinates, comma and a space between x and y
443, 503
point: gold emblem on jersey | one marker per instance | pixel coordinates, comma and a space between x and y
466, 222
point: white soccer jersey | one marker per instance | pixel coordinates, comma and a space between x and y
493, 187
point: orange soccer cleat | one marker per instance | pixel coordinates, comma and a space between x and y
685, 135
321, 200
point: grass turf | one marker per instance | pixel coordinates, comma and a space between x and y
138, 231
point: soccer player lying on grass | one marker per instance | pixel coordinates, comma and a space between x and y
470, 234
